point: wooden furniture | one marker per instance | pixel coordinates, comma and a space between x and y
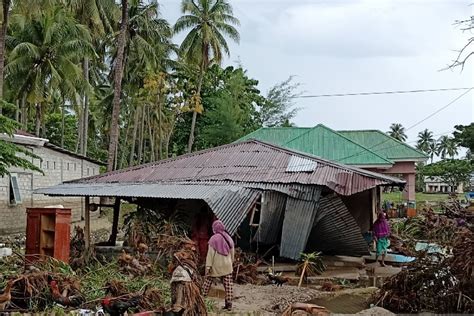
48, 233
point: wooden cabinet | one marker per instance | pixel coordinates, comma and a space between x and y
48, 233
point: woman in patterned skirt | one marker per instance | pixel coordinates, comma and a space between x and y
219, 261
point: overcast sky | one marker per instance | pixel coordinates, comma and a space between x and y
357, 46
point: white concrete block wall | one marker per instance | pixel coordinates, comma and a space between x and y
57, 167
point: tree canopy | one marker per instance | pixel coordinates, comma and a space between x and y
79, 74
451, 171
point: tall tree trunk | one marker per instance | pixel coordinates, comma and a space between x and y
85, 130
198, 93
114, 126
134, 137
124, 145
38, 120
140, 137
24, 113
168, 138
17, 111
151, 136
80, 123
160, 124
62, 124
3, 34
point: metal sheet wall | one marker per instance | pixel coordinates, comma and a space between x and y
297, 225
231, 207
271, 217
335, 230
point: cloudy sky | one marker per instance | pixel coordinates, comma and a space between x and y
357, 46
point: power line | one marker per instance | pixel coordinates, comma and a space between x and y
379, 93
419, 122
440, 109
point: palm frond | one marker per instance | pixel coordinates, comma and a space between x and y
186, 22
228, 30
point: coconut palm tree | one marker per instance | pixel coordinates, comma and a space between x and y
397, 131
45, 55
208, 21
432, 150
118, 74
425, 138
99, 16
3, 34
447, 147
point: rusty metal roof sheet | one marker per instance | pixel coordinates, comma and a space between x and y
335, 230
230, 203
249, 162
297, 225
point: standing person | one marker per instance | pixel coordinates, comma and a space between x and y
381, 235
219, 261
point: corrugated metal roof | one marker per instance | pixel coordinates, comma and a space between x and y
335, 230
300, 164
230, 203
247, 162
384, 145
329, 144
275, 135
297, 225
323, 142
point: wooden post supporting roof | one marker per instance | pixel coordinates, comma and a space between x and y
87, 225
113, 234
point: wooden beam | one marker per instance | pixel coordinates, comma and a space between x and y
113, 234
87, 225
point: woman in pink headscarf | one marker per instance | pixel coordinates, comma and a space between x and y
219, 261
381, 236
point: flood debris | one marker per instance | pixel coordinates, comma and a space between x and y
245, 268
305, 309
77, 252
434, 282
186, 283
134, 265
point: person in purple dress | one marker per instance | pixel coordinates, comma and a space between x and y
381, 236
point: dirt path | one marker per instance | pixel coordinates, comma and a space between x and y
262, 299
272, 300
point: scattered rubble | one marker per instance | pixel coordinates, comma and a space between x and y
434, 282
245, 269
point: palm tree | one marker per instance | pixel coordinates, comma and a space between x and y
98, 16
209, 21
432, 150
3, 33
425, 138
447, 147
45, 57
118, 74
397, 131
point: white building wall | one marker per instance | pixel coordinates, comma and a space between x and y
57, 167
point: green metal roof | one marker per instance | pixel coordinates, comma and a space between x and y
327, 143
276, 135
384, 145
320, 141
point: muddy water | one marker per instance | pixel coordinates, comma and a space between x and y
343, 303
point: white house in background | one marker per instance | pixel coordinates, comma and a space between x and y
58, 165
436, 185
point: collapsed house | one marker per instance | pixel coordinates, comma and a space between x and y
263, 193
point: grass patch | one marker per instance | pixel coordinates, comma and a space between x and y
96, 275
421, 197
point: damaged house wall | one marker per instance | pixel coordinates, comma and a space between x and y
335, 231
360, 206
230, 178
297, 224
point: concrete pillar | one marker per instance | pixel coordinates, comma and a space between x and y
409, 191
